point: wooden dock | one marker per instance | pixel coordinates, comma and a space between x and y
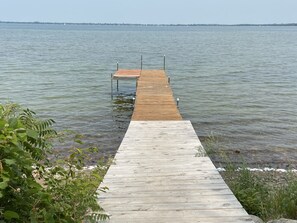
161, 172
154, 98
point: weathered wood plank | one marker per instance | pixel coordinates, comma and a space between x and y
198, 214
194, 194
178, 206
165, 219
185, 179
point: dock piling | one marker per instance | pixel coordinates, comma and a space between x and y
164, 62
111, 85
141, 62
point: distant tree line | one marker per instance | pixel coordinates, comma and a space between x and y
138, 24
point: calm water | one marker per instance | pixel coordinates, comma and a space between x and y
238, 84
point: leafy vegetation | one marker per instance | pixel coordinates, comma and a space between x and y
261, 197
269, 197
32, 189
250, 192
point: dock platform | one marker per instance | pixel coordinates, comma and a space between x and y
161, 172
126, 74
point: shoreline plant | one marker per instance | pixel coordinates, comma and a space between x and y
33, 189
259, 193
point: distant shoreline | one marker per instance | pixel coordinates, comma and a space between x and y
139, 24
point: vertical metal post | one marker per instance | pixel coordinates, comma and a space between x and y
164, 64
168, 79
141, 62
117, 79
111, 86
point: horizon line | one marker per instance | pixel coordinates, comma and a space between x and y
154, 24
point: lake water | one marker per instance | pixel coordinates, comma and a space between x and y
237, 84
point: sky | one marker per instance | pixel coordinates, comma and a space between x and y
151, 11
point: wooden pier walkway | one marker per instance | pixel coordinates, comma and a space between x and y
154, 98
161, 172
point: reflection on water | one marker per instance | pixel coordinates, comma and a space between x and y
123, 103
122, 109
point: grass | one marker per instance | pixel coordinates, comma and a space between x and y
260, 197
268, 195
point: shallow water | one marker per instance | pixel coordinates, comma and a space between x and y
238, 84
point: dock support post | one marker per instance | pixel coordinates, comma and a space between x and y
117, 66
141, 62
164, 63
168, 79
111, 86
177, 102
117, 85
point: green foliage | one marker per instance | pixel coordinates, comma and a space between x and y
283, 201
73, 189
261, 198
211, 144
22, 146
258, 196
250, 192
32, 189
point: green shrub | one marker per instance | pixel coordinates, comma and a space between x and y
32, 189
